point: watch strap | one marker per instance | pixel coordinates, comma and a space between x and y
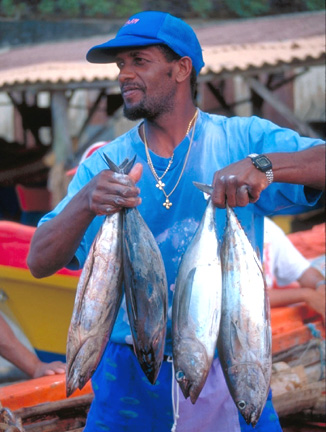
269, 173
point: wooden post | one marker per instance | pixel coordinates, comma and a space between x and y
62, 146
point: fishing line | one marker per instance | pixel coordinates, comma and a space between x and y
318, 342
175, 403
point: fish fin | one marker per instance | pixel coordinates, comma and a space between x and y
123, 163
238, 339
268, 337
123, 168
204, 187
126, 169
110, 163
185, 299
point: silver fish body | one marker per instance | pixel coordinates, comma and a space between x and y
146, 292
196, 308
97, 302
245, 332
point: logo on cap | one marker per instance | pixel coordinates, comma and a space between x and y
131, 21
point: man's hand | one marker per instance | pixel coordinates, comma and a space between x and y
55, 242
45, 369
238, 184
109, 192
316, 300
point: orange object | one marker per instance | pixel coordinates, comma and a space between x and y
35, 391
289, 327
310, 243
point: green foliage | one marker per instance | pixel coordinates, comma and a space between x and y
46, 7
125, 8
94, 8
201, 8
315, 4
12, 8
69, 8
8, 8
247, 8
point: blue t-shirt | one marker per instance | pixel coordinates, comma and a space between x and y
218, 141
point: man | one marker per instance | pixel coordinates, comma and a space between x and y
18, 354
158, 57
283, 265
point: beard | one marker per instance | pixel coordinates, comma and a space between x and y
149, 111
136, 112
152, 107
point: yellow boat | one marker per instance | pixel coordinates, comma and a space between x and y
41, 307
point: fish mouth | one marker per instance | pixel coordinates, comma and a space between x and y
251, 417
187, 387
150, 365
72, 383
189, 390
76, 381
194, 393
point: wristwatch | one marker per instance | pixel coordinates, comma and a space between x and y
264, 165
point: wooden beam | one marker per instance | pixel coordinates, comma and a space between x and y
91, 113
302, 127
220, 98
285, 81
62, 144
54, 407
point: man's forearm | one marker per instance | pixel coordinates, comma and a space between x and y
305, 167
15, 352
286, 296
55, 242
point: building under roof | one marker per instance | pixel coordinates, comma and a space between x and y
239, 46
255, 49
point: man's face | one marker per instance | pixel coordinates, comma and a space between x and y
147, 82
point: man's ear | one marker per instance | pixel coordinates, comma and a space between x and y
184, 69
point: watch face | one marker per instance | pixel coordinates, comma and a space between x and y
263, 163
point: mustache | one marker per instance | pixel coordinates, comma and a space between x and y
127, 87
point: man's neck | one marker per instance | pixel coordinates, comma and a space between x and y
164, 134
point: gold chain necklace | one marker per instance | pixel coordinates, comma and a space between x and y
160, 185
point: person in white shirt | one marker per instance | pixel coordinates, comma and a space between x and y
283, 265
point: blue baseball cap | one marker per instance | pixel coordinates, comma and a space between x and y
151, 28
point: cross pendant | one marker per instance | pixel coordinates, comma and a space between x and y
160, 184
167, 204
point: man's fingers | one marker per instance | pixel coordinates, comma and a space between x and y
136, 172
242, 196
228, 191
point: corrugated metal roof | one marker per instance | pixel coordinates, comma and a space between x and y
243, 57
228, 48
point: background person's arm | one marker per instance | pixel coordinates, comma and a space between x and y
19, 355
313, 296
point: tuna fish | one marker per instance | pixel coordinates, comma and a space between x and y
97, 301
146, 292
245, 332
196, 308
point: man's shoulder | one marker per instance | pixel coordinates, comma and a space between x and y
233, 120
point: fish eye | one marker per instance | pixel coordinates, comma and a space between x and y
179, 375
242, 405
